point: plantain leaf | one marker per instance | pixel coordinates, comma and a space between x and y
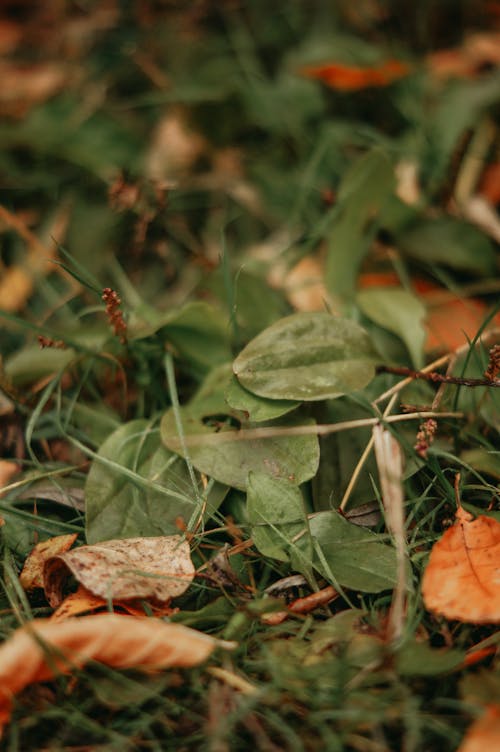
307, 356
145, 497
276, 514
400, 312
350, 555
256, 408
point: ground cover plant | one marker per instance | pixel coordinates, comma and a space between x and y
249, 374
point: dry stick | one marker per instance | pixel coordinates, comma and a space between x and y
436, 377
390, 467
399, 386
271, 432
363, 458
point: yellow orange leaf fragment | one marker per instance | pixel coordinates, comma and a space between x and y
351, 77
462, 578
41, 649
32, 573
483, 734
156, 569
83, 601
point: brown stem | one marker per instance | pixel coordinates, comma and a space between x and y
436, 377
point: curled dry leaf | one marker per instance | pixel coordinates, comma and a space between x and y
155, 569
484, 734
83, 601
32, 573
462, 579
42, 649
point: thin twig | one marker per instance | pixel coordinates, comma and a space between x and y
438, 378
271, 432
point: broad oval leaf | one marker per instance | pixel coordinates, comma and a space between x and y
137, 487
350, 555
220, 453
257, 409
400, 312
307, 356
449, 241
276, 515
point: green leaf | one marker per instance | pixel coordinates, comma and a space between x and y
340, 453
197, 331
351, 555
229, 461
307, 356
451, 242
256, 408
419, 659
118, 506
400, 312
363, 192
31, 364
276, 515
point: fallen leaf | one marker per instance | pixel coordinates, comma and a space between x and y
41, 649
7, 470
489, 187
462, 578
483, 734
155, 569
83, 601
478, 51
32, 573
174, 148
450, 320
25, 86
351, 78
304, 285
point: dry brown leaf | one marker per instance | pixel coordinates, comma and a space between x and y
174, 148
462, 578
155, 569
32, 573
42, 648
82, 601
25, 86
484, 734
304, 285
7, 470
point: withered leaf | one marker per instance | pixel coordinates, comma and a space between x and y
155, 569
41, 649
462, 578
32, 573
483, 734
83, 601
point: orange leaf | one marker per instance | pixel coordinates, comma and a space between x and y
41, 649
32, 573
351, 77
82, 601
7, 470
483, 734
489, 186
450, 320
462, 578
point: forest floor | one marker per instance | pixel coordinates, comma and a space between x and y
249, 371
